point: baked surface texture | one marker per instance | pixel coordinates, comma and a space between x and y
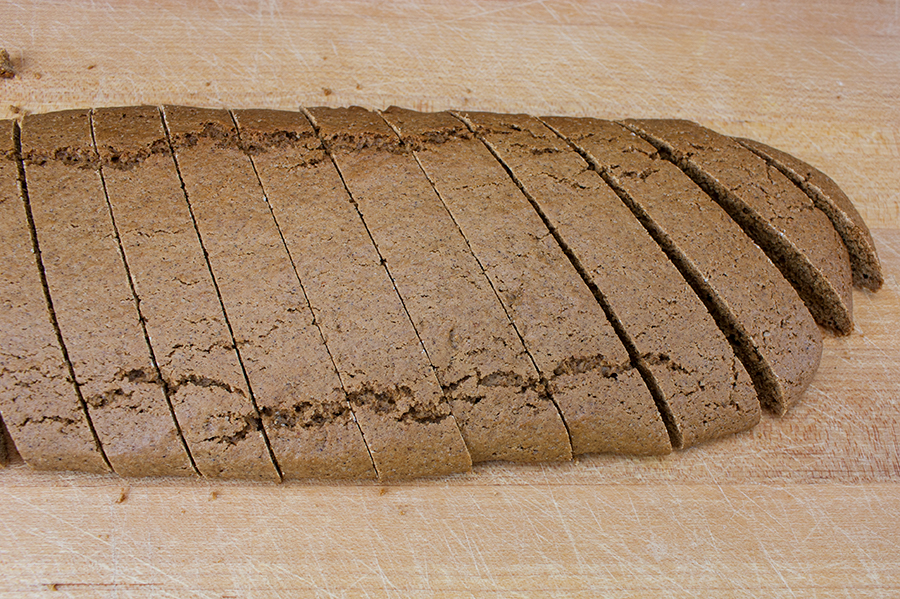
345, 293
94, 306
602, 398
40, 406
392, 388
762, 314
503, 410
179, 305
798, 237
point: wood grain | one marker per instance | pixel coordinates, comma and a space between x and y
802, 506
527, 540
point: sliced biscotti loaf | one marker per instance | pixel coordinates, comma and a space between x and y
701, 387
229, 308
495, 391
392, 388
757, 309
603, 399
40, 407
797, 237
830, 199
92, 298
179, 304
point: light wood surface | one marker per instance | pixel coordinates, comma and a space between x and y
803, 506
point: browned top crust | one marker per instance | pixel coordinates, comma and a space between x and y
90, 287
39, 403
602, 397
702, 387
772, 331
496, 394
179, 304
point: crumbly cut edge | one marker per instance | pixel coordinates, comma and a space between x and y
830, 199
822, 279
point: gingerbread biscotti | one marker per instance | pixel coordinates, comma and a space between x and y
346, 293
779, 217
41, 407
305, 416
702, 389
225, 198
179, 303
769, 327
834, 203
396, 397
96, 310
496, 395
602, 398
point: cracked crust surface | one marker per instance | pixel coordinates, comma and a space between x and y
777, 326
704, 385
495, 392
797, 237
394, 393
279, 349
93, 301
38, 402
603, 399
178, 300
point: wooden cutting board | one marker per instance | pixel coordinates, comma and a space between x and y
803, 506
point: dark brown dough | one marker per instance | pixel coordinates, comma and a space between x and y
703, 390
830, 199
179, 302
38, 401
773, 332
393, 390
603, 399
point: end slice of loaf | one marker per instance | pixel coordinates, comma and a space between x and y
797, 237
830, 199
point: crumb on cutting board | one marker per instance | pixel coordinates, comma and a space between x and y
7, 71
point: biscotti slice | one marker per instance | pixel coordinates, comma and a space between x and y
92, 298
495, 391
178, 301
603, 399
702, 388
259, 291
38, 401
797, 237
830, 199
304, 409
395, 395
771, 330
